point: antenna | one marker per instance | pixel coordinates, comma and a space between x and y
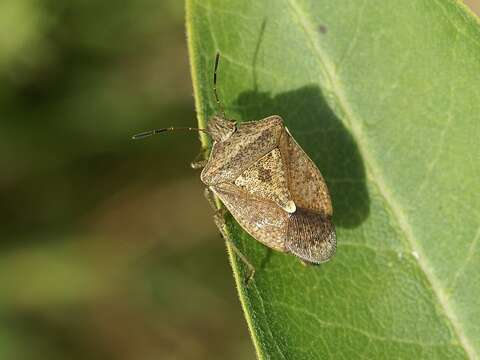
217, 59
146, 134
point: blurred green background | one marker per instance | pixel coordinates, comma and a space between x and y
108, 247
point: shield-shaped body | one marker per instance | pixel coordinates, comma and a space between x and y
271, 187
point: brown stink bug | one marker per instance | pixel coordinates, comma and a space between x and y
268, 183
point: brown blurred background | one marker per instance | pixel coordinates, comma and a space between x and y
108, 248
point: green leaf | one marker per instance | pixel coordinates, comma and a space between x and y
385, 97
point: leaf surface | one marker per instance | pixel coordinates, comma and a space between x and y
384, 96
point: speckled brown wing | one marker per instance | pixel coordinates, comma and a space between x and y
306, 184
262, 219
311, 233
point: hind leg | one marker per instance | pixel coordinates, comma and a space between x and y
219, 219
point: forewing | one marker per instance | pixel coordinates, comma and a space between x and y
311, 236
306, 184
262, 219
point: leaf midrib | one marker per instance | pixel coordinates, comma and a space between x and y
352, 122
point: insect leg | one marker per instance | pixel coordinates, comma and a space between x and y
211, 200
220, 222
199, 162
219, 219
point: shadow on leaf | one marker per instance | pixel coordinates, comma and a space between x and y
324, 138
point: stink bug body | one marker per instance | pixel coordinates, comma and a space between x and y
269, 184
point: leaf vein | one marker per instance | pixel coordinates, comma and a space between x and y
354, 40
461, 270
368, 334
436, 157
274, 339
353, 122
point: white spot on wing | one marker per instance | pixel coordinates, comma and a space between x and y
290, 207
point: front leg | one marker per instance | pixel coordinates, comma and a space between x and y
199, 162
